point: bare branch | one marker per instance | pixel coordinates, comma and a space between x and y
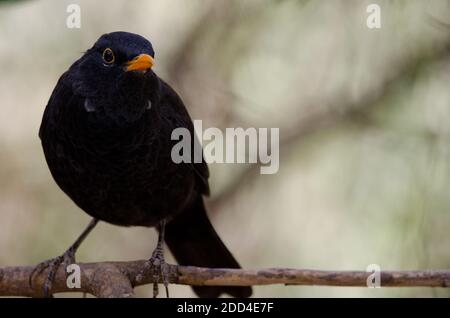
117, 279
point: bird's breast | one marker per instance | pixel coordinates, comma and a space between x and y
121, 175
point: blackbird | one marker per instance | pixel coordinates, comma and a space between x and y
106, 136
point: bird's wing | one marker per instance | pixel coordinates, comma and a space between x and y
61, 93
180, 115
176, 111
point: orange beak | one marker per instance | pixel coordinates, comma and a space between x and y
141, 62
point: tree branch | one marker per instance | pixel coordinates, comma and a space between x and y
117, 279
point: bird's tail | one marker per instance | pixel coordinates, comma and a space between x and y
193, 241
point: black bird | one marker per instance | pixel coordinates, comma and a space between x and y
106, 136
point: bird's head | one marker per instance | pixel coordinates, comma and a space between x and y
116, 75
122, 52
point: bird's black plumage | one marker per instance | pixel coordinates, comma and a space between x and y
106, 135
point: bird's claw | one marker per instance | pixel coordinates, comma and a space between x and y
52, 265
158, 267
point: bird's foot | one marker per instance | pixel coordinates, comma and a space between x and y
158, 267
52, 266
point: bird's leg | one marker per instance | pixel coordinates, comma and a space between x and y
158, 260
67, 258
157, 264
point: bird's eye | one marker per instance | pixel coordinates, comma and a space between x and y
108, 56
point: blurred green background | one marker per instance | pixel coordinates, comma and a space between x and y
363, 116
